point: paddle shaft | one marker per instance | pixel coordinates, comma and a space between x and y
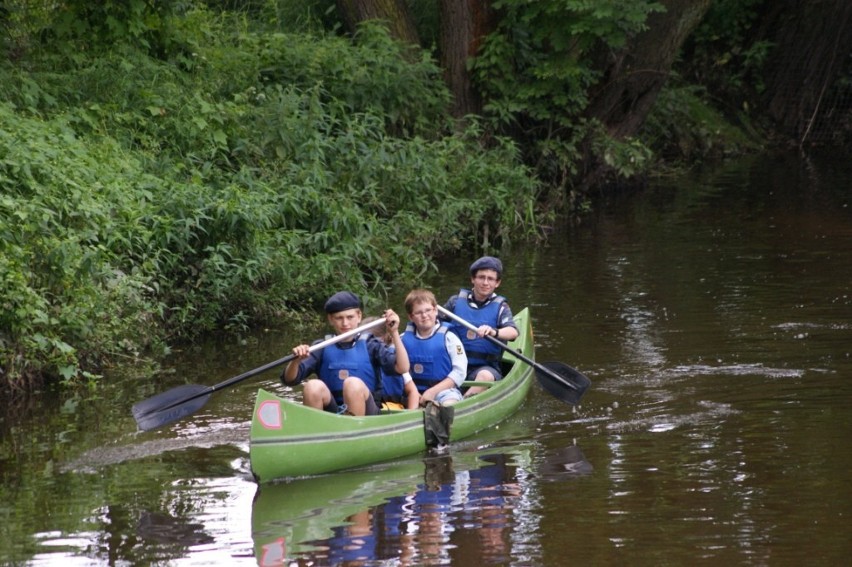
502, 345
248, 374
313, 348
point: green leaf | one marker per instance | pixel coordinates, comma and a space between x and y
68, 372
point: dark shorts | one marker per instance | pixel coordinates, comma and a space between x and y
371, 407
473, 371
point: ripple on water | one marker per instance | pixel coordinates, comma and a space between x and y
199, 434
755, 369
708, 412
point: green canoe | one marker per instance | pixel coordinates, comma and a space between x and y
290, 440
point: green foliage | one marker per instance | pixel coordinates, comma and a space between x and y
149, 199
535, 67
105, 23
374, 74
627, 158
536, 70
295, 16
723, 56
63, 296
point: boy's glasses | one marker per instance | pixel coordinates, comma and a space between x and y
423, 312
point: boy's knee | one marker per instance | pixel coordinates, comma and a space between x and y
485, 375
448, 397
353, 385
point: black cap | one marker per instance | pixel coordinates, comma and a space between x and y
341, 301
487, 263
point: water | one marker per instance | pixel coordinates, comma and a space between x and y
714, 317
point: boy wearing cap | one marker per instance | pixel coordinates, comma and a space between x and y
492, 316
349, 373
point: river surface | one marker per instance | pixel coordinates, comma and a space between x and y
713, 314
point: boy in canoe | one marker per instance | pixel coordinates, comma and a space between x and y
349, 373
492, 316
398, 390
436, 355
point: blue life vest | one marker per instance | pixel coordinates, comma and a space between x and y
340, 362
479, 351
429, 359
393, 386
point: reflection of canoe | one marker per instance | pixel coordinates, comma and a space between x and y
289, 439
305, 515
287, 516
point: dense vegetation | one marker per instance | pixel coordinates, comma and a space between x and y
171, 168
247, 174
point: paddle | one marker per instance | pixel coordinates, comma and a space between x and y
560, 380
181, 401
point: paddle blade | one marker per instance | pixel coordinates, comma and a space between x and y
170, 406
562, 381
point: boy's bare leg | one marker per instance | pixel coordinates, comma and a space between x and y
316, 394
355, 394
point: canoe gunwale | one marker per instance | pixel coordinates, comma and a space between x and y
343, 434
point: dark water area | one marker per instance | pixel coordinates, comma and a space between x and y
713, 313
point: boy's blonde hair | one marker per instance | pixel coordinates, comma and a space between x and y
416, 296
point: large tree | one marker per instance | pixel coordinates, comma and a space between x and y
573, 81
464, 26
546, 43
393, 12
633, 76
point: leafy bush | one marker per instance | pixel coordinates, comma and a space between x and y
66, 302
374, 74
150, 199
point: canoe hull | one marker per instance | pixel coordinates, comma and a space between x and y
289, 439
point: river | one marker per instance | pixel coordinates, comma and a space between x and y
713, 314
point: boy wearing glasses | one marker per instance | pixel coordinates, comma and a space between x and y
436, 356
492, 316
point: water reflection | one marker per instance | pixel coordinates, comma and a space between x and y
564, 463
198, 518
455, 508
166, 529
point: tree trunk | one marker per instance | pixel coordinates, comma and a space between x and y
634, 77
813, 41
464, 26
394, 12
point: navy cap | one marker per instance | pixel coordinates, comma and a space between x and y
487, 263
341, 301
